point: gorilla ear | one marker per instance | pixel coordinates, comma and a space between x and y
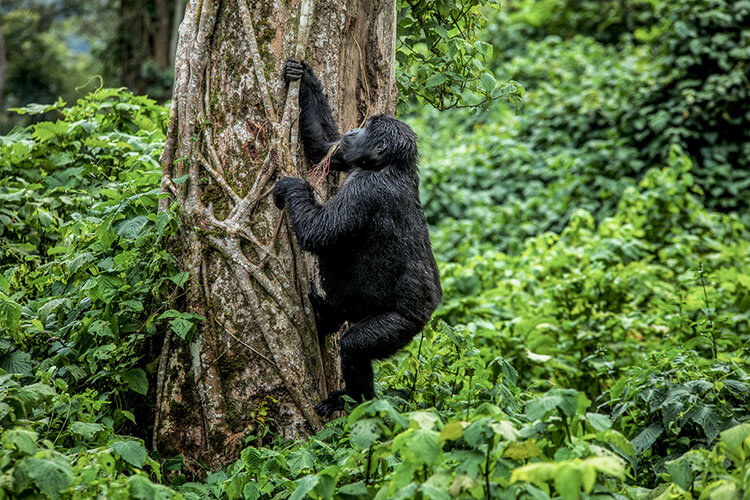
381, 147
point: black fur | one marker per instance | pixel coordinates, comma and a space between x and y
371, 239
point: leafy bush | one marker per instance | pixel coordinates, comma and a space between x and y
83, 272
524, 175
701, 99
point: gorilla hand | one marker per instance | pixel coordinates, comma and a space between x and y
293, 70
284, 187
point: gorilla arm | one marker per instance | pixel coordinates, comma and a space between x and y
317, 127
319, 227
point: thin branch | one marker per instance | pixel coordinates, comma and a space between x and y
265, 173
161, 373
249, 347
247, 21
291, 105
218, 177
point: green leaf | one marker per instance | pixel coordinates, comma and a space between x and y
126, 414
180, 278
488, 81
451, 432
10, 313
435, 80
35, 393
132, 452
726, 491
417, 445
599, 422
233, 486
523, 450
607, 465
358, 489
4, 410
85, 429
181, 327
78, 261
252, 458
16, 362
647, 437
131, 305
131, 228
588, 476
50, 475
45, 131
433, 492
568, 482
537, 473
564, 399
36, 109
107, 287
136, 380
251, 491
143, 489
304, 486
681, 473
22, 439
479, 432
301, 461
737, 441
364, 433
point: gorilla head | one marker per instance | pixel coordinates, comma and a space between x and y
383, 141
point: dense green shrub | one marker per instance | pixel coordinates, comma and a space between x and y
701, 99
83, 273
606, 21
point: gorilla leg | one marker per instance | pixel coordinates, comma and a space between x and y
327, 318
376, 337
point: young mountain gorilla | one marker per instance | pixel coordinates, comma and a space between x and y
376, 263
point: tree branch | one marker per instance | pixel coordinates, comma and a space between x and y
247, 21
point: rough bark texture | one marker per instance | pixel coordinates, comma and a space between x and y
256, 361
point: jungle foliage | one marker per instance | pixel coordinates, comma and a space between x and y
595, 258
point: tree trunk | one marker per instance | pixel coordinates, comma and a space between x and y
161, 35
2, 65
177, 13
254, 364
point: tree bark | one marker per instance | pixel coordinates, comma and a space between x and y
177, 14
254, 365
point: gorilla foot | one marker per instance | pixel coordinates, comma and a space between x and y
333, 403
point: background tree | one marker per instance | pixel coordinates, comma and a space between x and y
254, 364
3, 63
139, 51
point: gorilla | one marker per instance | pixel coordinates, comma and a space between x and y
376, 265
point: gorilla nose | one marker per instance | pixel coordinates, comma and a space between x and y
352, 133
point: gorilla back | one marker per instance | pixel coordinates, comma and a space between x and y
376, 264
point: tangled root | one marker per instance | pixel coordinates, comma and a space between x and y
322, 168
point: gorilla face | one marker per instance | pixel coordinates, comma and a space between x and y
359, 148
384, 141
